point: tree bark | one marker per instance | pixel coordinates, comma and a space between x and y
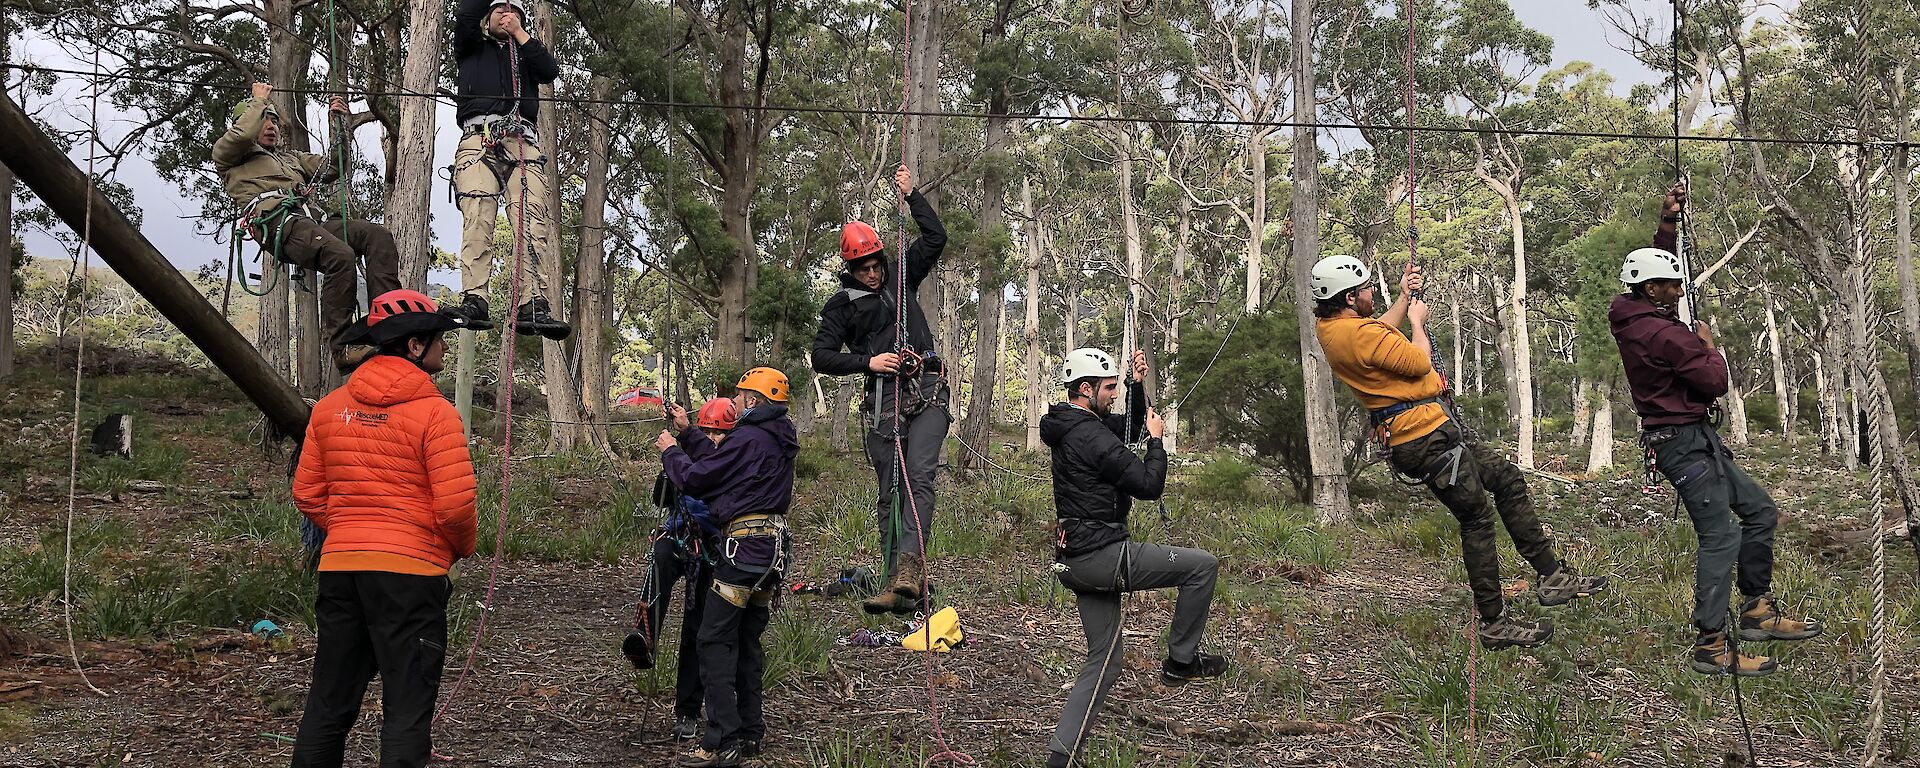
976, 430
1176, 297
6, 229
1035, 358
409, 198
923, 152
843, 412
1257, 215
1323, 428
1903, 233
1601, 455
591, 331
1780, 397
1522, 352
284, 65
1503, 347
563, 398
1582, 412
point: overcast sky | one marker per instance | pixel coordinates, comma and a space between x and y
1579, 34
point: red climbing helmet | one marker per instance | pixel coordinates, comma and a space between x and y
398, 315
858, 241
719, 413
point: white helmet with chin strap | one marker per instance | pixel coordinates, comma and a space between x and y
1645, 264
1087, 363
1334, 275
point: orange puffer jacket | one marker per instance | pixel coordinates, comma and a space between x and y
386, 473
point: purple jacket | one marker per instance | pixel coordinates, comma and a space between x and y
750, 472
1674, 376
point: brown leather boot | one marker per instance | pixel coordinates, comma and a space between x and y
909, 577
1712, 656
1761, 619
885, 601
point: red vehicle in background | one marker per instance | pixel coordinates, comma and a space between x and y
638, 397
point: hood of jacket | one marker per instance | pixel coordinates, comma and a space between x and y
387, 380
772, 419
1628, 309
1060, 419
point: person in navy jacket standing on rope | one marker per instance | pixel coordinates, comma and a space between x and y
501, 70
906, 385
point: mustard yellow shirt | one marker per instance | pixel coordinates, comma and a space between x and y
1383, 367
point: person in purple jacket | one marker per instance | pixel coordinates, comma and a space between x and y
747, 482
1676, 375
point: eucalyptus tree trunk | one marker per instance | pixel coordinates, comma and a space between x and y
591, 331
563, 398
1323, 427
410, 196
1600, 456
1780, 400
286, 57
1035, 358
842, 412
1903, 232
1582, 412
6, 230
977, 429
1176, 296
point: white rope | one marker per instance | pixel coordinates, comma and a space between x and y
1877, 630
79, 366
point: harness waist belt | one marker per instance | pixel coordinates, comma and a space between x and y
756, 525
1383, 415
480, 123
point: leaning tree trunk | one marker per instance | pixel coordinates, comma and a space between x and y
1323, 428
563, 399
595, 358
1600, 456
1031, 303
410, 197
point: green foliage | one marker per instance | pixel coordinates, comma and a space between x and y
1252, 391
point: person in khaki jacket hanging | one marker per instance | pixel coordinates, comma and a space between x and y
497, 89
278, 192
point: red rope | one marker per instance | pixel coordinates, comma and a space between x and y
506, 441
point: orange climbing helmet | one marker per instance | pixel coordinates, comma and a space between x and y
766, 381
858, 241
719, 413
397, 315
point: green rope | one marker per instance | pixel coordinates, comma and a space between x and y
343, 135
272, 220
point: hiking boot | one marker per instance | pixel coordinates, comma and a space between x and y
1762, 619
1508, 631
887, 601
686, 728
1205, 666
909, 577
347, 358
1712, 656
536, 317
1566, 585
749, 749
727, 757
472, 311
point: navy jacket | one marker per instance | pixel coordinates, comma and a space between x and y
862, 321
1096, 477
751, 472
484, 84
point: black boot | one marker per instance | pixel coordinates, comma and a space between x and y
1205, 666
536, 318
472, 310
686, 728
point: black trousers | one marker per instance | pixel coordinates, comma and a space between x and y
670, 565
390, 624
732, 661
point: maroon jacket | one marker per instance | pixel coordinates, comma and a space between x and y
1674, 376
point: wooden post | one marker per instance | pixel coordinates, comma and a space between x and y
63, 187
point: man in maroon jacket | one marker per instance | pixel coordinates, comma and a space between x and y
1676, 375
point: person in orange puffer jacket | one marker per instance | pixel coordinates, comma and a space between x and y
384, 471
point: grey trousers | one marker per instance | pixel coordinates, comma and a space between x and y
925, 434
1733, 518
1098, 580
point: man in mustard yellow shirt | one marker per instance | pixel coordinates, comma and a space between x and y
1395, 379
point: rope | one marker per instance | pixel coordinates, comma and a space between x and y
1193, 387
1038, 116
524, 417
343, 138
507, 354
996, 465
79, 368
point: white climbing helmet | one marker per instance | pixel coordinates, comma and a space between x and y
1650, 264
1087, 362
1335, 274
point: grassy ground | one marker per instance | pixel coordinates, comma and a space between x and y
1348, 640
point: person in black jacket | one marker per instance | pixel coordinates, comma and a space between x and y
906, 386
498, 87
1096, 477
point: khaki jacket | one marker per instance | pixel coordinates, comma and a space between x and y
249, 170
